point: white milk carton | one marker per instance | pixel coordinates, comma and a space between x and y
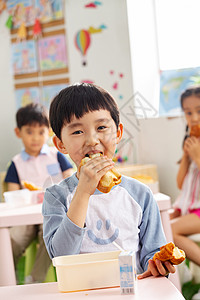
127, 268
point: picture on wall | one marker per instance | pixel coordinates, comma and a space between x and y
27, 10
49, 10
49, 92
26, 96
24, 57
22, 11
52, 53
172, 84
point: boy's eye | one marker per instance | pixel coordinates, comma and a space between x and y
188, 113
77, 132
101, 127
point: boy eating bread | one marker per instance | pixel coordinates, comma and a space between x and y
79, 218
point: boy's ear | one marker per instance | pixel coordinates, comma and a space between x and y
17, 132
59, 144
119, 132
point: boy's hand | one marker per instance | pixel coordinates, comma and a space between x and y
91, 173
157, 268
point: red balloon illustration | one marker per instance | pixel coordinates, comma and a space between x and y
82, 42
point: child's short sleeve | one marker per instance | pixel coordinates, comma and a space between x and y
12, 175
64, 162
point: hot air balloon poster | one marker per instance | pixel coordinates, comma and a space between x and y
82, 42
52, 53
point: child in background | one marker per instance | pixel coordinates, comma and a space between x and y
36, 163
78, 218
186, 214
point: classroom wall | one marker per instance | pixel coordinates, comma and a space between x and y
157, 140
106, 66
10, 145
160, 142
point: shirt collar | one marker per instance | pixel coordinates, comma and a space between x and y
25, 156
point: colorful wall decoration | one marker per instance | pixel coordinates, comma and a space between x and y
28, 10
49, 92
40, 94
21, 11
27, 96
24, 57
49, 10
52, 52
99, 52
83, 39
37, 51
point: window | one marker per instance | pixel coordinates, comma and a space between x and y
178, 26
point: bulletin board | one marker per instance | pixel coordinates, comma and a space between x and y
39, 64
97, 51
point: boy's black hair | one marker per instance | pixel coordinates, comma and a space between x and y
78, 99
32, 114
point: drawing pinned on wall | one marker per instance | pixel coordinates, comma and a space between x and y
2, 6
27, 10
83, 40
27, 96
93, 4
21, 11
24, 57
49, 10
44, 10
52, 53
58, 9
49, 92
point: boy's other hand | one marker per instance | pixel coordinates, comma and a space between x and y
90, 174
157, 268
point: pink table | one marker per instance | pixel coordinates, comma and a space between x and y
27, 215
32, 215
150, 288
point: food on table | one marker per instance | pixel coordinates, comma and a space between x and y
30, 186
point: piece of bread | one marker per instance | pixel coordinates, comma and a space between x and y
111, 178
195, 130
30, 186
170, 252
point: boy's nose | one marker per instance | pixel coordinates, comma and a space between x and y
35, 137
92, 139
